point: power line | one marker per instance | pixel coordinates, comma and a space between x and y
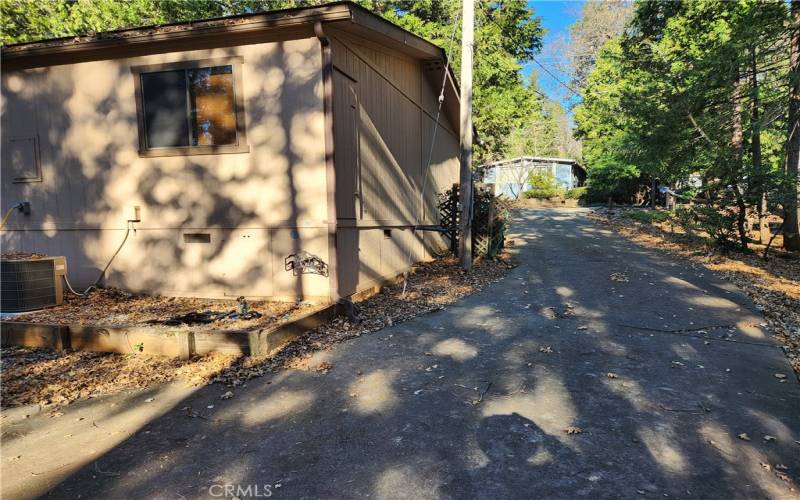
554, 77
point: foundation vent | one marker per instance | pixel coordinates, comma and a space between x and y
27, 285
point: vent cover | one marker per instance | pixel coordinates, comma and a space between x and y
27, 285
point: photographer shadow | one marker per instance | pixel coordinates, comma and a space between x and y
520, 461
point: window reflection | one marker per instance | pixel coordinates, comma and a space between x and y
189, 107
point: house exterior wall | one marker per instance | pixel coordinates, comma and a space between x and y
511, 178
388, 107
258, 207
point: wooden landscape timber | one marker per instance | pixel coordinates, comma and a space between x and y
143, 340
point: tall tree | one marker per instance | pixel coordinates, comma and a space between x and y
694, 90
791, 225
599, 22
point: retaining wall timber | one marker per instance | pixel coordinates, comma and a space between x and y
181, 343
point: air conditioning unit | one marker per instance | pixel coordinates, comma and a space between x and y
30, 284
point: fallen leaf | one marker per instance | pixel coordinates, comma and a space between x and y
573, 430
619, 277
32, 376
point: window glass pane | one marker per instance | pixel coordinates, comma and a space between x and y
213, 112
564, 175
164, 97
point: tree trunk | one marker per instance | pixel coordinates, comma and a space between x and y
791, 225
755, 149
653, 192
741, 217
737, 144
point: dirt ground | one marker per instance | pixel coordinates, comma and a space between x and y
45, 377
114, 307
773, 284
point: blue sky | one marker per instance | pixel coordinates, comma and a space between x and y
557, 16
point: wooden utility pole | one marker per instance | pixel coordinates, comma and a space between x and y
465, 192
791, 221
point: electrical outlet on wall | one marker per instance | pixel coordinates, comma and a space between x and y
133, 213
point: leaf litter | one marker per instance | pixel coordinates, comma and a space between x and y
52, 378
773, 285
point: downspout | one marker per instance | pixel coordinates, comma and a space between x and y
330, 169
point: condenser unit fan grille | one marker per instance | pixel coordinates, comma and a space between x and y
27, 285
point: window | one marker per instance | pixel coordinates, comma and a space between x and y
190, 108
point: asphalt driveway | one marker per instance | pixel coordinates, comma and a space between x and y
596, 369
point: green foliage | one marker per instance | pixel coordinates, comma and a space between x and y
545, 181
694, 87
543, 186
507, 34
576, 193
599, 22
718, 222
647, 216
543, 194
28, 20
544, 132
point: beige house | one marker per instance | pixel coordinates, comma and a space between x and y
232, 152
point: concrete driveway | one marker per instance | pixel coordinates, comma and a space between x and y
596, 369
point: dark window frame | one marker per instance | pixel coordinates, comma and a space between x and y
37, 177
241, 145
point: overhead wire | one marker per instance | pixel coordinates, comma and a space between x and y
446, 73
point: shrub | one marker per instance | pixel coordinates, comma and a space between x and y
575, 193
647, 216
543, 186
719, 222
544, 194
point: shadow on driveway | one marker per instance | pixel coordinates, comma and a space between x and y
655, 372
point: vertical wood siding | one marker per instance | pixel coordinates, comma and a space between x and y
397, 107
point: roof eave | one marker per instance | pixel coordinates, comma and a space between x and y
274, 21
153, 35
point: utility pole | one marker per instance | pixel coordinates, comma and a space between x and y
465, 192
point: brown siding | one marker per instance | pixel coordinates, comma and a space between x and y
397, 107
84, 118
